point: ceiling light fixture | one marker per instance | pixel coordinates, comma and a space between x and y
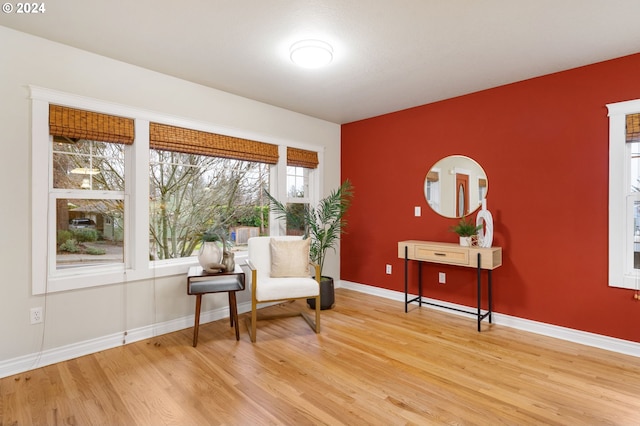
311, 53
85, 171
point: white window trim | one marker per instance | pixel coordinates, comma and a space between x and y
621, 271
137, 265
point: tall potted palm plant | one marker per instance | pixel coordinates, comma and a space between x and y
323, 224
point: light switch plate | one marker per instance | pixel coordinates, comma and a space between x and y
417, 211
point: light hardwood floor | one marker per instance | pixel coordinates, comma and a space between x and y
372, 364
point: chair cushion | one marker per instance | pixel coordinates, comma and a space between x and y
289, 258
286, 288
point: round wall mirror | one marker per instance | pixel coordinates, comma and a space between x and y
455, 186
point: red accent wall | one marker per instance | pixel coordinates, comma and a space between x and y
544, 146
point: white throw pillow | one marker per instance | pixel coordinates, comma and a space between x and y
290, 258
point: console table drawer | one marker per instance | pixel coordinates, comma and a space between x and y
450, 254
441, 255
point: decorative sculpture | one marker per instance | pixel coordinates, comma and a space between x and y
485, 233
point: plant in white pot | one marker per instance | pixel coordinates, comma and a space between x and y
212, 257
323, 224
466, 230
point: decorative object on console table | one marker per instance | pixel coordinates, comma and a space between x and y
323, 224
467, 231
484, 221
228, 260
451, 254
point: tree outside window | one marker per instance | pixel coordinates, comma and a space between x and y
191, 194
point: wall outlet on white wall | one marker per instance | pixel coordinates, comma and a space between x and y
35, 315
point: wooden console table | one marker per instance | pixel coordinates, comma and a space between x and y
450, 254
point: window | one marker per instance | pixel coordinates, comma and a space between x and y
191, 194
300, 167
432, 188
624, 194
117, 197
297, 198
88, 200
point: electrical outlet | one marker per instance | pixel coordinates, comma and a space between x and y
35, 314
388, 270
417, 211
442, 277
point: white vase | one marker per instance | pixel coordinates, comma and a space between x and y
210, 256
465, 241
484, 218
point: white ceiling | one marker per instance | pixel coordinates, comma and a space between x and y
388, 55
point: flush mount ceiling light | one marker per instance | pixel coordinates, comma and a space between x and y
85, 171
311, 53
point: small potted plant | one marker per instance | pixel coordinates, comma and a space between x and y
210, 253
466, 230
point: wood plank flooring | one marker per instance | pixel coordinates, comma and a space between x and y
372, 364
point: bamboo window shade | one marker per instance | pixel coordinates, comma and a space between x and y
633, 128
302, 158
80, 124
189, 141
433, 176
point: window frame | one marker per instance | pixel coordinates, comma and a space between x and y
137, 265
621, 271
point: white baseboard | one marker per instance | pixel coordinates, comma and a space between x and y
51, 356
582, 337
75, 350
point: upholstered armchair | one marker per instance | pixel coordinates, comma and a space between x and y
281, 271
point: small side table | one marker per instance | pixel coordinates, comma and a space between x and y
200, 282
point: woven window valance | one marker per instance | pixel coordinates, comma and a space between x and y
179, 139
433, 176
302, 158
79, 124
633, 128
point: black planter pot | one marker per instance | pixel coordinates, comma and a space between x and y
327, 295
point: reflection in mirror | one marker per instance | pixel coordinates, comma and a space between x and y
455, 186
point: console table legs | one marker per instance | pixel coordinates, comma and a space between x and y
478, 312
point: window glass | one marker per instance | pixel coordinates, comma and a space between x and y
297, 182
89, 232
89, 215
295, 218
92, 165
191, 194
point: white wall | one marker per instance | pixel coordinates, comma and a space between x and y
79, 316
